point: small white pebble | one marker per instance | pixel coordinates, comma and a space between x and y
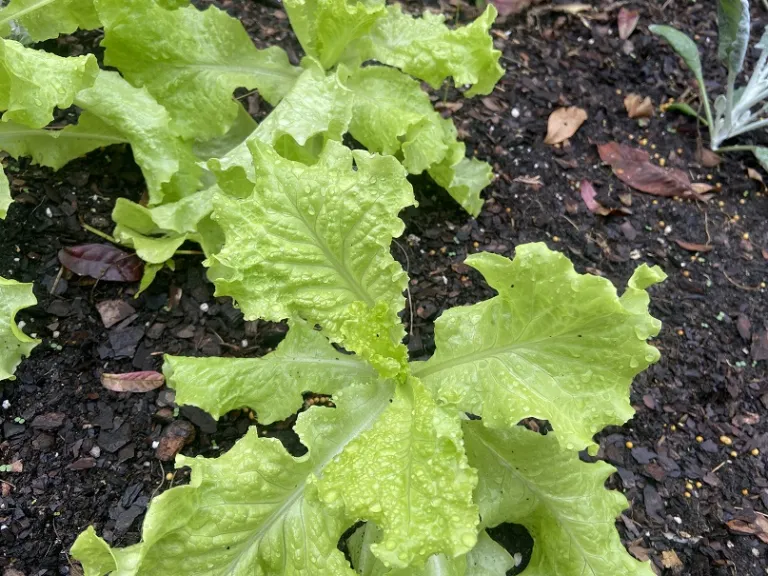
515, 113
204, 307
95, 452
678, 519
155, 444
667, 230
16, 259
518, 558
56, 333
22, 324
34, 334
244, 343
6, 404
48, 213
755, 552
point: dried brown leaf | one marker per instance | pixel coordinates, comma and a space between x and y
758, 527
633, 167
744, 326
563, 124
133, 381
532, 181
706, 157
627, 22
701, 187
693, 246
638, 107
669, 559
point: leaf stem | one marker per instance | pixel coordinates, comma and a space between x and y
99, 233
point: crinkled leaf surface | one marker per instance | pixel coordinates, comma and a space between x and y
14, 344
254, 511
54, 148
312, 241
319, 106
191, 61
529, 479
409, 475
554, 345
326, 27
44, 19
168, 164
5, 194
462, 177
427, 49
34, 82
393, 115
272, 385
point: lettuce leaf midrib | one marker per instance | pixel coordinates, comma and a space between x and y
543, 500
23, 11
63, 135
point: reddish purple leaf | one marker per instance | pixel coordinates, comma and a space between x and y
627, 22
633, 167
133, 381
102, 261
588, 194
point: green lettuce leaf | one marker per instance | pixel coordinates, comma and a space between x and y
463, 178
255, 511
554, 345
33, 82
14, 344
272, 385
393, 115
54, 148
157, 232
5, 194
409, 475
44, 19
169, 166
317, 245
529, 479
325, 27
427, 49
488, 558
318, 109
191, 61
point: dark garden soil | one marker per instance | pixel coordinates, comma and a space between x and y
87, 453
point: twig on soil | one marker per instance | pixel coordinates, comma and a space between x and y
716, 468
706, 227
407, 288
740, 286
162, 481
57, 280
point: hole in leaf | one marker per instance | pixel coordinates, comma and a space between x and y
543, 427
516, 540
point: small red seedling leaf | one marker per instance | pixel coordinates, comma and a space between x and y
588, 194
627, 21
133, 381
693, 247
633, 167
102, 261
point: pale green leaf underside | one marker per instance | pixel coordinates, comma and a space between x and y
684, 46
191, 61
34, 82
529, 479
427, 49
5, 194
313, 241
325, 27
408, 474
254, 511
44, 19
54, 148
554, 345
14, 344
168, 164
272, 385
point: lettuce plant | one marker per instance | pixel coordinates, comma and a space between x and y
741, 109
171, 98
396, 468
14, 344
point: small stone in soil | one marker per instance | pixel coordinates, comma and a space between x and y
113, 311
49, 421
199, 418
43, 442
112, 441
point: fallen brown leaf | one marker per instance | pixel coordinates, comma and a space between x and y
633, 167
755, 175
563, 124
494, 104
532, 181
627, 21
639, 552
701, 187
133, 381
706, 157
759, 527
669, 559
693, 247
638, 107
744, 326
